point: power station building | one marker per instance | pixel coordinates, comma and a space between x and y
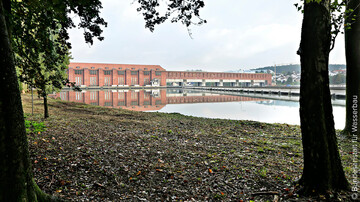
94, 75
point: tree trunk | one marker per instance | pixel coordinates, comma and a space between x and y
322, 165
16, 180
15, 173
46, 109
352, 49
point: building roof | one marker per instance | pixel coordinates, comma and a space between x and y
115, 66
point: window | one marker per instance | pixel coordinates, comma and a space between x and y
78, 80
107, 72
134, 103
134, 81
78, 72
106, 67
107, 95
94, 103
63, 96
77, 67
107, 81
93, 81
146, 81
145, 68
158, 102
121, 103
92, 67
93, 72
134, 95
157, 73
121, 96
134, 73
146, 95
93, 95
121, 72
107, 104
146, 102
146, 73
78, 96
121, 81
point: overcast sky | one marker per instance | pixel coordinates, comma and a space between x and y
240, 34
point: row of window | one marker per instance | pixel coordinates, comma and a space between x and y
107, 81
133, 68
212, 75
109, 72
107, 96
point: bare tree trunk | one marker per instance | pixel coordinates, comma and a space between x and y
16, 179
352, 49
46, 108
322, 165
15, 173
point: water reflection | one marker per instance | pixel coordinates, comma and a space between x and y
146, 100
202, 104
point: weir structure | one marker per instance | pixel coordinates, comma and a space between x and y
99, 75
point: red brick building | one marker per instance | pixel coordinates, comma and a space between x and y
113, 75
122, 75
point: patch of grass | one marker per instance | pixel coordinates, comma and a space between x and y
34, 126
262, 172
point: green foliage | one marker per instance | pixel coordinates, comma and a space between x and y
338, 13
338, 79
39, 38
34, 126
262, 172
180, 11
289, 80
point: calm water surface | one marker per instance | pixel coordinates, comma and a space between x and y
274, 109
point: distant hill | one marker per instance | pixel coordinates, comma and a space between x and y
295, 67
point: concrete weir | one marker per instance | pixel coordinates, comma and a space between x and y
336, 92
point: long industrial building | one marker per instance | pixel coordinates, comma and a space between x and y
94, 75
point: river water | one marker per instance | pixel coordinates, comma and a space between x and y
269, 109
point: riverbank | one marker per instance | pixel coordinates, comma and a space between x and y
97, 153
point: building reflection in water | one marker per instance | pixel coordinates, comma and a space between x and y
146, 100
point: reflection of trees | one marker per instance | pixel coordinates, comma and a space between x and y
338, 79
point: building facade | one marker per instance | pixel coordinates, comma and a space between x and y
113, 75
93, 75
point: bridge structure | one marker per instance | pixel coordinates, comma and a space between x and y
99, 75
338, 92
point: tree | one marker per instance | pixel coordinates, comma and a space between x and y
323, 170
289, 80
16, 180
338, 79
48, 80
48, 76
352, 49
